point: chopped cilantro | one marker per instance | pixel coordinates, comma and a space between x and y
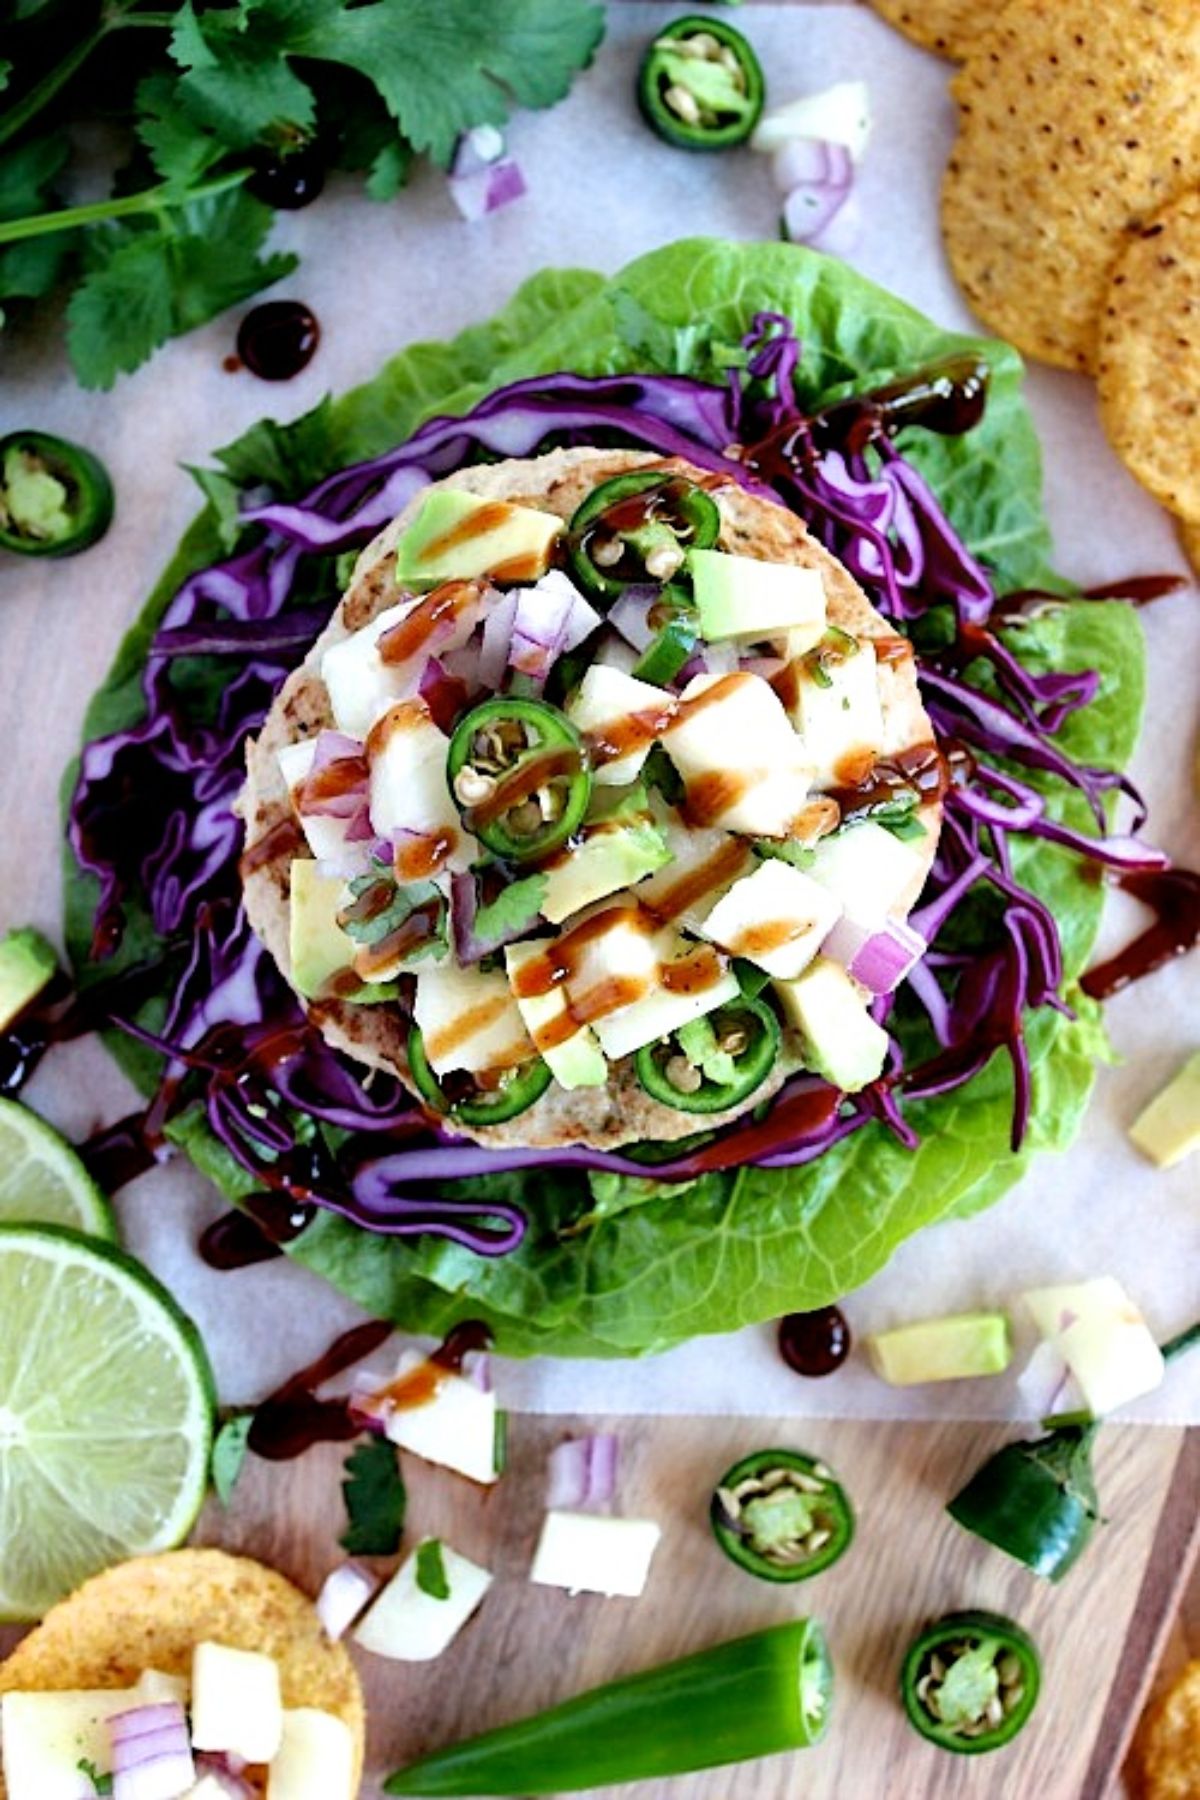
380, 906
783, 850
229, 1454
431, 1570
212, 91
514, 907
103, 1784
375, 1497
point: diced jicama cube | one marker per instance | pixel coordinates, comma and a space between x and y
236, 1703
410, 1624
589, 1553
777, 917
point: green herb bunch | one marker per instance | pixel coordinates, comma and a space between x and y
205, 108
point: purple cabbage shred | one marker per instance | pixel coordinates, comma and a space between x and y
152, 813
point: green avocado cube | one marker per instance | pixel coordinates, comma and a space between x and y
458, 536
951, 1349
27, 965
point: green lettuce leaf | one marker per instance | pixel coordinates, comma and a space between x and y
614, 1267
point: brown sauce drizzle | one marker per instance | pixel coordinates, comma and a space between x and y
440, 609
417, 858
492, 516
760, 940
444, 1043
283, 839
292, 1419
709, 797
921, 769
525, 778
422, 1383
375, 962
407, 715
562, 958
726, 863
338, 778
622, 737
890, 649
1174, 895
694, 973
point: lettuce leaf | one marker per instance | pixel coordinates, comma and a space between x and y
643, 1265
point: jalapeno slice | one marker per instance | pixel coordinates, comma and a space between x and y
970, 1682
519, 775
638, 528
713, 1062
467, 1099
700, 86
1035, 1500
678, 631
55, 497
781, 1515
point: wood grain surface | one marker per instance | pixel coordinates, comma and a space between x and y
1099, 1634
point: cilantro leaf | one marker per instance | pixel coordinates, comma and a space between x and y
5, 72
375, 1498
441, 66
800, 856
180, 149
152, 281
30, 269
431, 1570
237, 83
103, 1784
229, 1454
514, 907
381, 906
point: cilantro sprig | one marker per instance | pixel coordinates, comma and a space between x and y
207, 95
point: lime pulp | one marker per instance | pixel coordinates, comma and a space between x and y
42, 1181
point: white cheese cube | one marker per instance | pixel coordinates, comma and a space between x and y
841, 723
704, 865
469, 1019
1054, 1307
575, 1060
589, 1553
609, 968
777, 918
612, 709
410, 1625
410, 795
45, 1736
1103, 1339
743, 766
456, 1428
361, 685
664, 1010
871, 871
236, 1703
315, 1760
154, 1688
326, 838
741, 598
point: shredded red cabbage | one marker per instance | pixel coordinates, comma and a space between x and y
152, 811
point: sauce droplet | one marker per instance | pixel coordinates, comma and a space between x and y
814, 1343
278, 339
288, 181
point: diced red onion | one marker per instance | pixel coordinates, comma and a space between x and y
225, 1769
365, 1403
488, 189
630, 615
582, 1472
477, 1367
1046, 1385
720, 659
151, 1753
333, 747
477, 149
443, 691
345, 1594
805, 162
581, 622
497, 640
540, 625
879, 959
463, 664
615, 653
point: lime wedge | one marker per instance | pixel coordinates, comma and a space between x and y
42, 1181
106, 1413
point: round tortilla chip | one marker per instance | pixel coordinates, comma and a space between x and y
1169, 1741
1078, 122
151, 1612
1149, 369
950, 27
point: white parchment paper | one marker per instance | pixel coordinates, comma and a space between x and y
603, 190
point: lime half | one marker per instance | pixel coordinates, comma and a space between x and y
106, 1412
42, 1181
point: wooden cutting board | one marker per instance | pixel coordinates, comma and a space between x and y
1099, 1633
